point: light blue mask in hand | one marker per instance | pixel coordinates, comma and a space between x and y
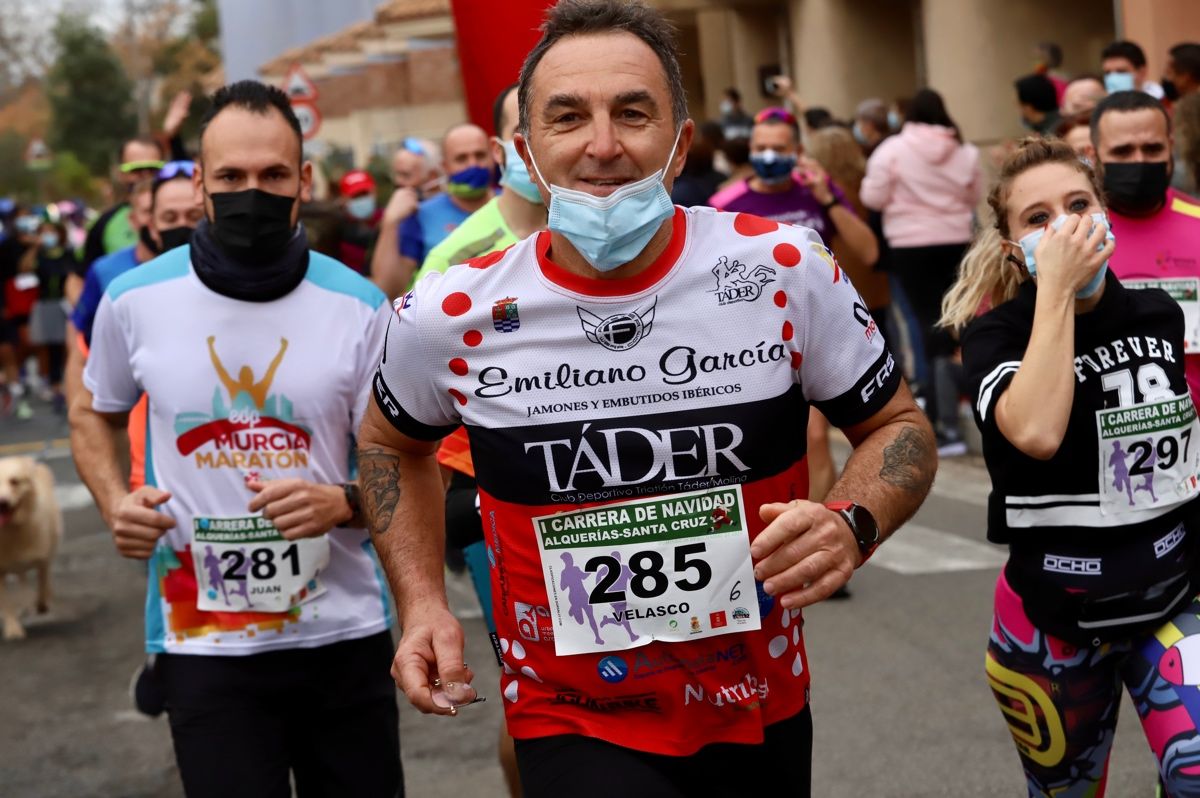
516, 175
611, 231
1029, 242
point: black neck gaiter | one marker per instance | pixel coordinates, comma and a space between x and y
258, 281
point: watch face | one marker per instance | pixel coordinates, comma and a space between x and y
865, 528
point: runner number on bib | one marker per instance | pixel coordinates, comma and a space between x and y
1149, 455
670, 568
245, 565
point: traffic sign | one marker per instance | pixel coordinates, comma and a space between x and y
298, 86
37, 155
309, 116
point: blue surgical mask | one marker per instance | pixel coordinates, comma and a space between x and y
773, 167
470, 183
1118, 81
361, 208
859, 136
894, 120
1028, 244
50, 240
515, 176
611, 231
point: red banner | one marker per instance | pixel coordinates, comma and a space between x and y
493, 40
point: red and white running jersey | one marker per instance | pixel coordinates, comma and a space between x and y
624, 434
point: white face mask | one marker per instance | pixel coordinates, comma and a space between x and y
611, 231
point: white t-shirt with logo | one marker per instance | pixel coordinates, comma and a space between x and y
242, 391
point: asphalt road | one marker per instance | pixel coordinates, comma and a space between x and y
900, 703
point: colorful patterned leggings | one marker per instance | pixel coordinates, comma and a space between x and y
1061, 700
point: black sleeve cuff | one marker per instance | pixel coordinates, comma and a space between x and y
400, 419
873, 390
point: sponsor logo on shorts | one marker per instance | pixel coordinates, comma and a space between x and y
1165, 544
1085, 566
747, 693
632, 702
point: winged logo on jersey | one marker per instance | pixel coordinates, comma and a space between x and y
737, 282
619, 332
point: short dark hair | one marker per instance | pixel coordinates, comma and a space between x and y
498, 108
1037, 91
1186, 58
256, 97
733, 94
1128, 50
1053, 54
581, 17
817, 118
1123, 102
149, 141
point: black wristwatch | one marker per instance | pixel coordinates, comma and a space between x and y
861, 523
350, 489
828, 206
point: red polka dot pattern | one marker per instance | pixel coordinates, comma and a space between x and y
472, 338
458, 396
787, 331
456, 304
797, 359
483, 261
786, 255
459, 366
749, 225
780, 299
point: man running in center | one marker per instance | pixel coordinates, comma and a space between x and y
621, 396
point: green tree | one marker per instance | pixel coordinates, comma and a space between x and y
91, 98
14, 177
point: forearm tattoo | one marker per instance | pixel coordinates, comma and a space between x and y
908, 462
379, 480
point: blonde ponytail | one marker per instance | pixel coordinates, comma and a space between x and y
984, 281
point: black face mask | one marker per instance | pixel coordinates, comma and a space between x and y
1136, 189
148, 240
252, 224
174, 237
1170, 90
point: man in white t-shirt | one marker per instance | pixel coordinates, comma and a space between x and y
266, 608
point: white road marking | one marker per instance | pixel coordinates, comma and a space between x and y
73, 496
917, 549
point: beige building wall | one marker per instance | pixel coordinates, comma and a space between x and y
733, 44
975, 49
360, 131
844, 51
1159, 25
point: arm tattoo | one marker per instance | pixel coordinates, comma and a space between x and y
379, 479
907, 462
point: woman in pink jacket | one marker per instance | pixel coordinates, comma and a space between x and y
927, 182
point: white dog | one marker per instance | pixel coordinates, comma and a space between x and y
30, 529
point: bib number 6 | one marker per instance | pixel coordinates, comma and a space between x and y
648, 580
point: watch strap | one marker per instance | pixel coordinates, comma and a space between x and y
847, 511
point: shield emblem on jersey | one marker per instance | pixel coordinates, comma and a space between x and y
505, 317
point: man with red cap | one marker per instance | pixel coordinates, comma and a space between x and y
360, 222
